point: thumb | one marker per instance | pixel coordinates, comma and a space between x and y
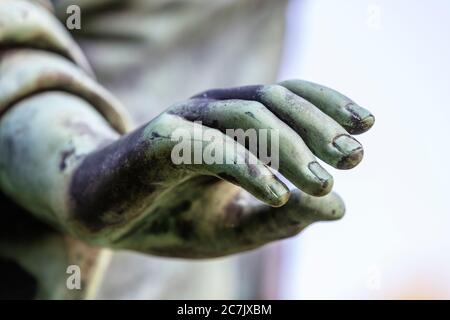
260, 223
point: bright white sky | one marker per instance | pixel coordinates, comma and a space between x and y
393, 57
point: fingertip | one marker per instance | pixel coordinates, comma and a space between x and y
351, 160
360, 126
351, 150
322, 182
337, 207
361, 119
278, 193
328, 208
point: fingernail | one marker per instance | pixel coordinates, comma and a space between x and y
351, 149
323, 176
280, 193
361, 120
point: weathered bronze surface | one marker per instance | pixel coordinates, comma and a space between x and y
70, 163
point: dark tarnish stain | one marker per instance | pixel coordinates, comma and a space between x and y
64, 156
356, 125
193, 111
244, 93
349, 161
325, 185
250, 114
354, 128
105, 182
156, 135
197, 108
349, 108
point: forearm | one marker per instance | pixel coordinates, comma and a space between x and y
42, 141
44, 135
64, 163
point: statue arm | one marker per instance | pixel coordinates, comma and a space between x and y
67, 154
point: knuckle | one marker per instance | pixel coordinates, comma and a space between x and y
276, 89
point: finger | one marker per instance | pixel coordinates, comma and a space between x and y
204, 150
258, 224
120, 181
347, 113
288, 151
323, 135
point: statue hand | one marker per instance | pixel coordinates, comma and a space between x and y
58, 162
131, 194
